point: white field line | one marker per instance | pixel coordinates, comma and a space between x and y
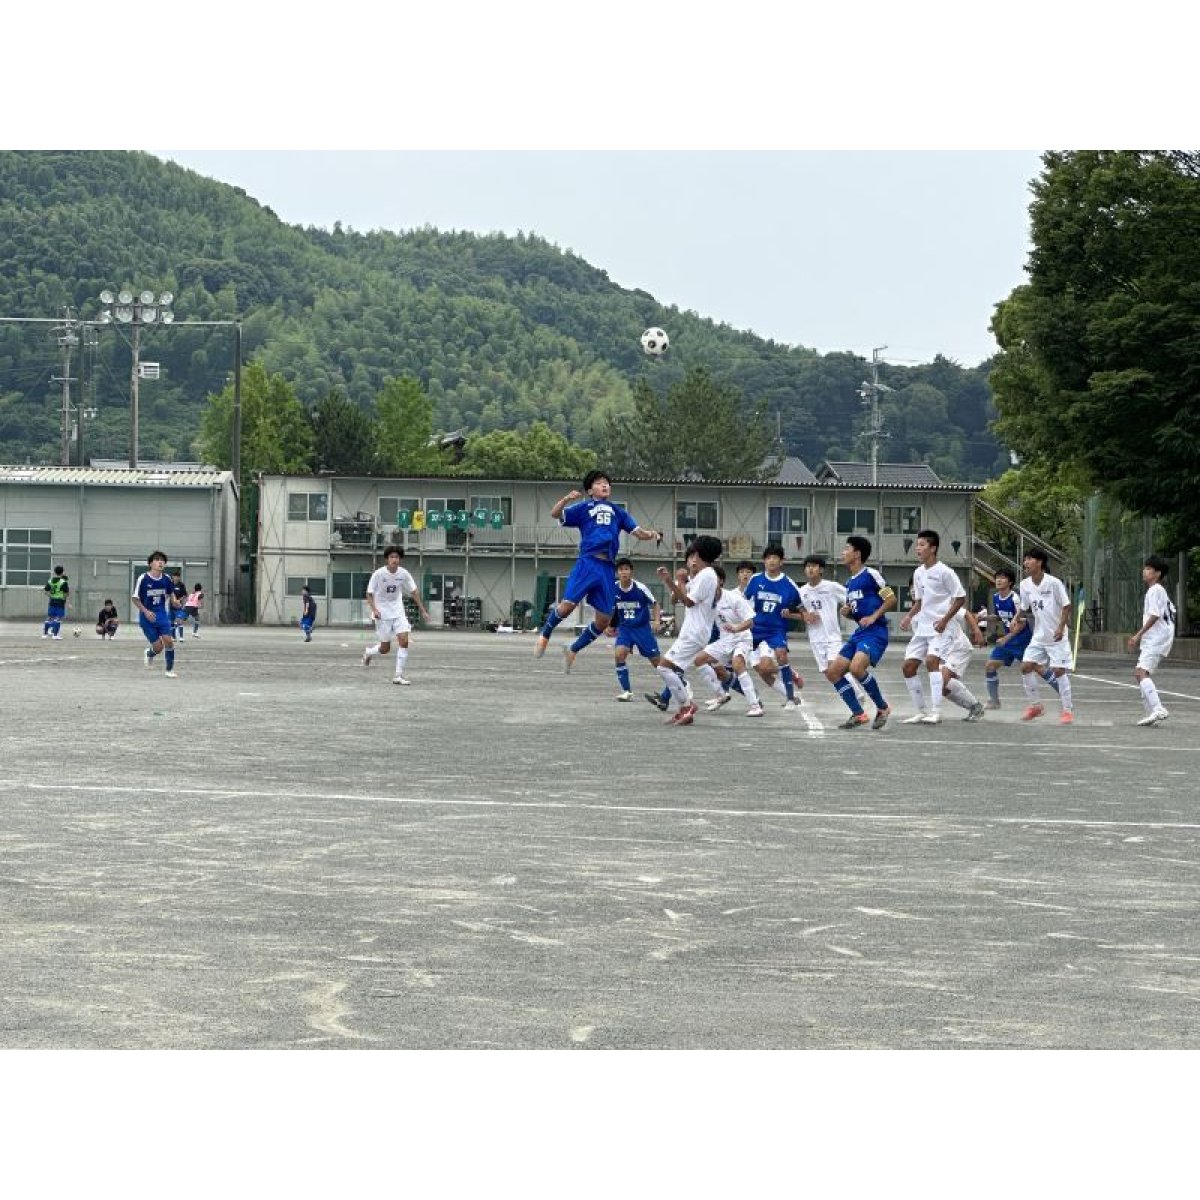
1121, 684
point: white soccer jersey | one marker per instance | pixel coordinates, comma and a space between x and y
703, 591
824, 599
732, 608
1044, 603
389, 590
1158, 604
937, 587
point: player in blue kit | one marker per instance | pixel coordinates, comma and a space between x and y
1010, 646
600, 523
775, 598
868, 601
636, 615
154, 597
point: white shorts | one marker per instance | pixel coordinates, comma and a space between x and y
955, 653
683, 650
1056, 655
763, 653
824, 649
1150, 655
920, 646
728, 645
388, 627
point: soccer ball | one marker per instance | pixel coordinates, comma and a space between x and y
78, 632
655, 342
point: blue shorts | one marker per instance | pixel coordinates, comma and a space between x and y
160, 627
306, 623
1009, 653
639, 637
593, 580
776, 638
871, 641
56, 610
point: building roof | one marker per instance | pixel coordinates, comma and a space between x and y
788, 469
194, 476
918, 475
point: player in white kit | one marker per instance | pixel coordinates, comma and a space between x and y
385, 598
696, 589
1155, 638
938, 596
822, 600
1045, 604
734, 616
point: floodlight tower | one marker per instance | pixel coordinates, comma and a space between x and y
146, 309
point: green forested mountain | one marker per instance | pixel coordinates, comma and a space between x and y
500, 331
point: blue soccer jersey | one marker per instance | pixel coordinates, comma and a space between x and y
600, 524
156, 595
633, 606
1006, 613
864, 594
770, 597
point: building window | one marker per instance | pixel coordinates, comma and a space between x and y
390, 508
351, 585
297, 583
782, 519
308, 506
856, 520
27, 557
902, 518
697, 514
494, 504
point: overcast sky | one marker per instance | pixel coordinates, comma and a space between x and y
837, 250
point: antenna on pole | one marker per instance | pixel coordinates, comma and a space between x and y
869, 391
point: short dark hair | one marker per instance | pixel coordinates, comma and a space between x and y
931, 536
394, 550
746, 565
773, 548
1157, 564
1006, 573
155, 554
861, 544
591, 477
1038, 553
720, 570
816, 559
58, 570
707, 546
623, 562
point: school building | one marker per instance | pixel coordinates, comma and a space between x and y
100, 522
486, 551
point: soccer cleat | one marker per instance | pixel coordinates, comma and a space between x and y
58, 637
716, 702
568, 659
196, 633
976, 713
658, 702
755, 710
170, 675
855, 721
1156, 717
1032, 712
992, 705
45, 635
148, 656
402, 680
790, 706
366, 659
1066, 717
881, 718
539, 647
918, 718
685, 715
933, 718
625, 697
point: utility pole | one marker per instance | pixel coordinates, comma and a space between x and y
68, 339
869, 391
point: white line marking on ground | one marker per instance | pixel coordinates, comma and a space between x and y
886, 912
584, 806
1133, 686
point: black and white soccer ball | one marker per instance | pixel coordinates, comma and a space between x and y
655, 342
77, 632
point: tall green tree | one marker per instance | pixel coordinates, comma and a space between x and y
701, 426
1100, 350
404, 430
345, 436
539, 454
276, 435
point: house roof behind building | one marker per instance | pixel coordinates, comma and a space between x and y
918, 475
147, 475
787, 469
